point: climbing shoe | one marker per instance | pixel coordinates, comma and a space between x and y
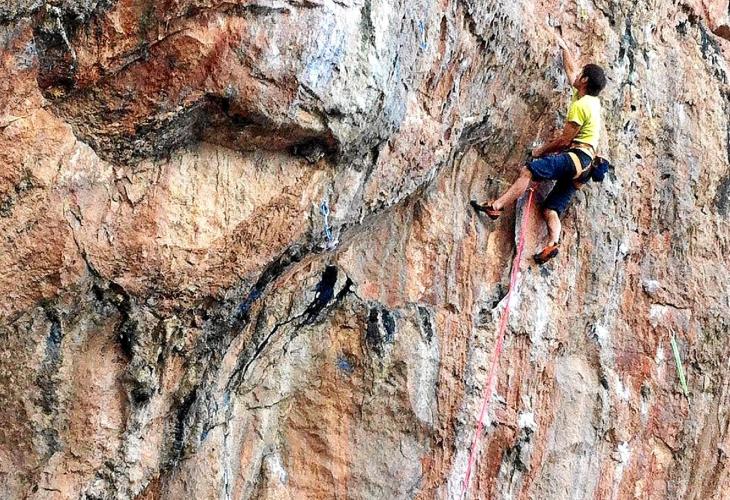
491, 212
546, 254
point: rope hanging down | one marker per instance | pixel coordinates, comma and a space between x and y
488, 388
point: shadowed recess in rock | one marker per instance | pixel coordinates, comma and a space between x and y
380, 330
722, 199
104, 105
47, 378
324, 293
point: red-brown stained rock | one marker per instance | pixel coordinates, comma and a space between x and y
166, 329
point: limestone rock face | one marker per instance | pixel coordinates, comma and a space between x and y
237, 259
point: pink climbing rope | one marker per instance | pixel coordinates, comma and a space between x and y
487, 392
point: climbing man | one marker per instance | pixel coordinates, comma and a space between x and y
566, 159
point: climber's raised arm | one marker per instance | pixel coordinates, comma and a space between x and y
560, 142
571, 68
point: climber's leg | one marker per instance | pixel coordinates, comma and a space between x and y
554, 227
557, 201
554, 206
552, 167
515, 190
551, 250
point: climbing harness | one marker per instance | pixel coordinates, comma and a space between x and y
488, 388
576, 163
680, 368
324, 209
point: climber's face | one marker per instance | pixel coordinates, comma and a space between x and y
580, 82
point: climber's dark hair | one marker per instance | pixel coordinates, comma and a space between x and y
596, 78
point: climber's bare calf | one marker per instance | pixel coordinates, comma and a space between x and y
494, 208
554, 226
516, 190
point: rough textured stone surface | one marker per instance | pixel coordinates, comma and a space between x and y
175, 323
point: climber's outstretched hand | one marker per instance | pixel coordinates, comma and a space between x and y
571, 68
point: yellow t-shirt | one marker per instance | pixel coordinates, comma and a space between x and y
586, 112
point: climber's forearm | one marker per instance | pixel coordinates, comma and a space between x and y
559, 142
569, 63
553, 146
571, 67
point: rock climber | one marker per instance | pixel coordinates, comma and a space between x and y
566, 159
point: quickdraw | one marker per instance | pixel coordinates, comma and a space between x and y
324, 209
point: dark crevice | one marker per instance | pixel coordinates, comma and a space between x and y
346, 289
324, 293
9, 200
260, 10
312, 150
261, 339
380, 330
223, 325
181, 419
272, 271
126, 331
517, 457
372, 330
51, 363
46, 378
722, 198
127, 335
627, 48
389, 325
726, 104
54, 27
133, 338
470, 23
252, 353
367, 29
426, 324
474, 133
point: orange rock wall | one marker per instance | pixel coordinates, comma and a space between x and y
175, 322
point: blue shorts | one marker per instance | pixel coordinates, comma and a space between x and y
558, 168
